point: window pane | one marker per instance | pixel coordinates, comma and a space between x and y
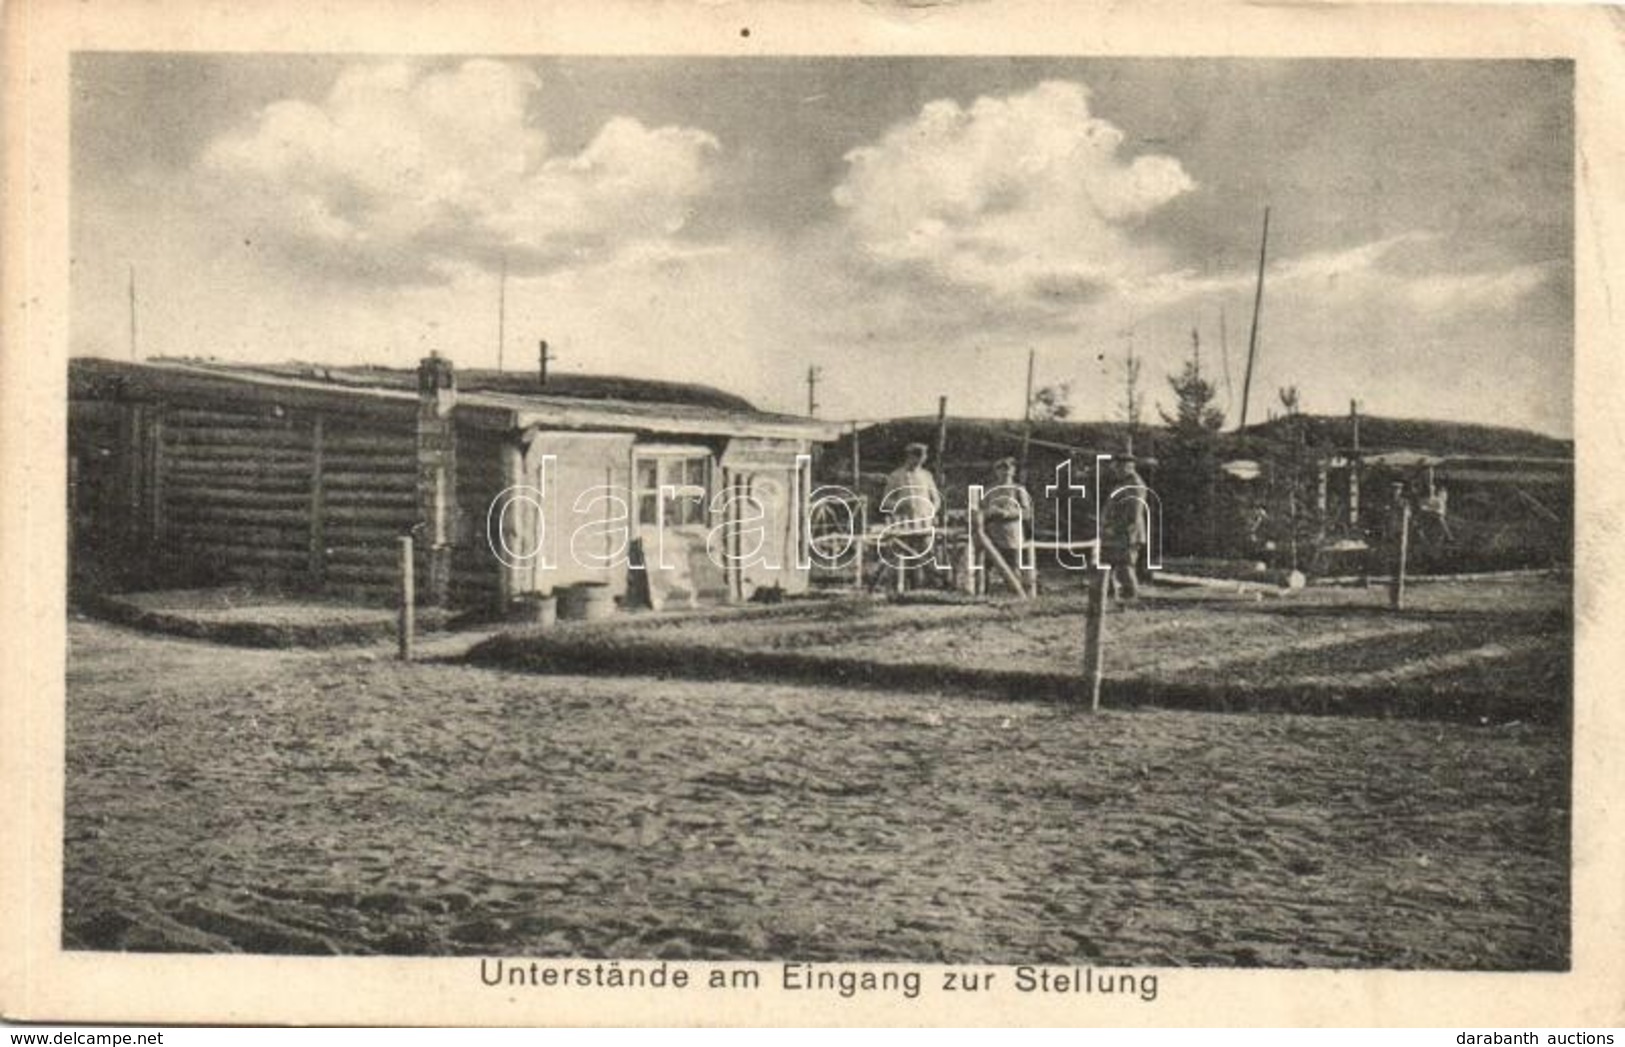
648, 474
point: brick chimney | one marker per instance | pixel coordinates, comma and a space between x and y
437, 384
437, 472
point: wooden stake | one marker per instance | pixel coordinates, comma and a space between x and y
1002, 564
408, 599
1402, 521
1094, 636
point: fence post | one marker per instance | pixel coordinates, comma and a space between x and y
1094, 634
408, 599
1402, 525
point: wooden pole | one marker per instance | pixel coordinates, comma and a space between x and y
408, 599
942, 447
1027, 419
1258, 303
812, 391
1094, 635
1002, 564
134, 355
502, 310
1402, 524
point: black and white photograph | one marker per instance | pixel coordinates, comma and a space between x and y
822, 523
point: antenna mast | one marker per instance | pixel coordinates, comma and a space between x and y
133, 353
1258, 303
502, 310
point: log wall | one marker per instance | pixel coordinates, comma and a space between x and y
306, 501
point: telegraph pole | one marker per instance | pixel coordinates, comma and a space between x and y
502, 310
133, 354
1258, 302
1027, 417
813, 374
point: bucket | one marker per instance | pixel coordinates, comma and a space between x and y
588, 601
539, 609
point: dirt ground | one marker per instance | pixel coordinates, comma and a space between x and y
338, 801
1499, 650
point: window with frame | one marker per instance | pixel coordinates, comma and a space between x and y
673, 486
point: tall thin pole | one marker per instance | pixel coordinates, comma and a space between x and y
942, 443
1258, 304
502, 310
1094, 635
812, 390
1224, 355
405, 626
133, 354
1027, 417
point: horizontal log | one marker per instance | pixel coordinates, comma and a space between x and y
236, 490
343, 442
352, 480
219, 495
347, 461
217, 436
234, 551
283, 519
266, 525
350, 554
404, 498
398, 457
239, 461
369, 514
364, 481
346, 532
197, 418
241, 456
247, 477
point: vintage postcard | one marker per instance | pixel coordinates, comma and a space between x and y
812, 514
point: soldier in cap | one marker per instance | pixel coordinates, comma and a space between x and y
1003, 515
1123, 531
912, 502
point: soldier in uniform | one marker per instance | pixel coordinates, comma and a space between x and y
1123, 531
1003, 516
912, 502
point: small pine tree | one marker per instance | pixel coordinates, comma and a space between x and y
1194, 412
1188, 476
1132, 409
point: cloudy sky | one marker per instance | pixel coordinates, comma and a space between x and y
912, 226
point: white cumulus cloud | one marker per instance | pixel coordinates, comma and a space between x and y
1029, 196
401, 172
